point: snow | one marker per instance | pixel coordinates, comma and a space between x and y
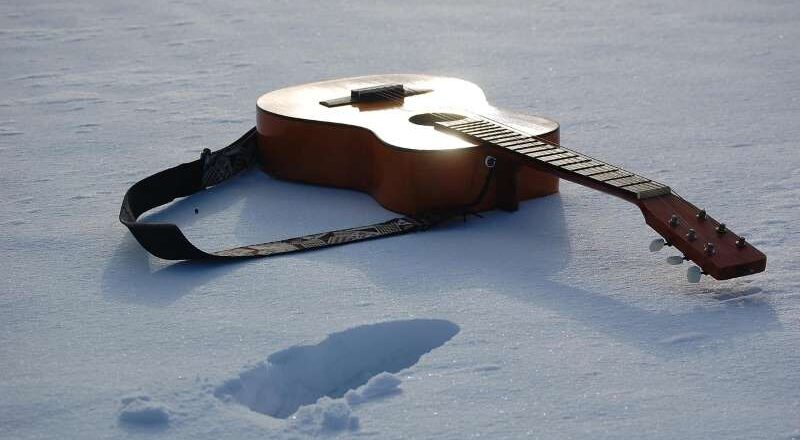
300, 375
325, 417
379, 386
142, 410
552, 322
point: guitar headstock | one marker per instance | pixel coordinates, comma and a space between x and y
708, 243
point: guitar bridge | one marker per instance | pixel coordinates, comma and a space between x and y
381, 93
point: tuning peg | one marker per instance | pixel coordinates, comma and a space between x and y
657, 244
693, 274
675, 260
673, 220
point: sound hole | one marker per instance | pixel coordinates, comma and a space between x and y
430, 118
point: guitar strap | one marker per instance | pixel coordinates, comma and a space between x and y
165, 240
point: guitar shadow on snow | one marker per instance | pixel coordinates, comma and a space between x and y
512, 254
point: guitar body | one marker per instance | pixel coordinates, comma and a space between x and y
374, 147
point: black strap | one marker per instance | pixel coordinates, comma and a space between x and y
165, 240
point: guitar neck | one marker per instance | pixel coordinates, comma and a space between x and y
710, 244
555, 159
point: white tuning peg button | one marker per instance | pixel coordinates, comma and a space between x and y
657, 244
693, 274
674, 260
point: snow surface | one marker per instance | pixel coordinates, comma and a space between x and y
142, 410
562, 323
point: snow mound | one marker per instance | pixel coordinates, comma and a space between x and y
382, 385
327, 416
300, 375
142, 410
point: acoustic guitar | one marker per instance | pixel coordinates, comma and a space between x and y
425, 144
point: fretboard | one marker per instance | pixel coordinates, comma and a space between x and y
550, 157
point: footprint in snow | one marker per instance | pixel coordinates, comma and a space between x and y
356, 364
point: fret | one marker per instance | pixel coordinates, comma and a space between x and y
545, 152
510, 144
483, 131
627, 181
577, 167
560, 156
604, 168
508, 137
495, 138
473, 126
463, 123
611, 175
528, 144
534, 148
486, 137
476, 129
569, 161
489, 139
580, 166
541, 144
522, 145
479, 130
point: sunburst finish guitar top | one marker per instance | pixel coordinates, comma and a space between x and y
418, 143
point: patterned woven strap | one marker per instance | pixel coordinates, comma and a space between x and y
394, 226
165, 240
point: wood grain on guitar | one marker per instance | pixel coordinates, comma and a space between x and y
418, 143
